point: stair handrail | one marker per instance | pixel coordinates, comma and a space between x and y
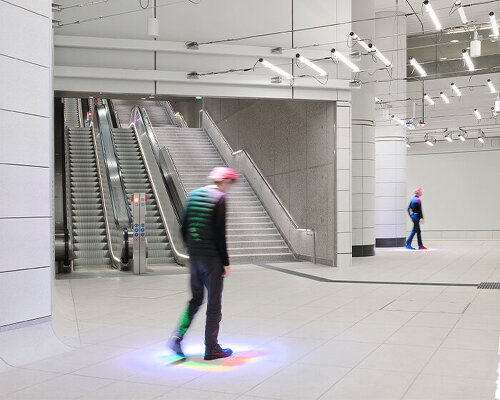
302, 241
80, 112
167, 211
172, 115
119, 201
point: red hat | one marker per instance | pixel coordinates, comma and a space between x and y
218, 174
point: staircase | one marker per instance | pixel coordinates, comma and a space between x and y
136, 180
251, 234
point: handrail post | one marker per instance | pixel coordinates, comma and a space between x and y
200, 119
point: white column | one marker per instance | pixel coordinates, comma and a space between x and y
343, 197
363, 145
26, 251
390, 188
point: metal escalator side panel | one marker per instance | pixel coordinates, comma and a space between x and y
166, 208
119, 200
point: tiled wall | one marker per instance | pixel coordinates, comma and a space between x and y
293, 143
25, 161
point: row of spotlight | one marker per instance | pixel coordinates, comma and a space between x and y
431, 140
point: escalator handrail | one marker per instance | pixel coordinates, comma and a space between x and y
177, 190
136, 120
119, 199
68, 226
116, 260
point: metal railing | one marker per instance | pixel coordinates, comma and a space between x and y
149, 148
119, 235
174, 117
68, 231
302, 241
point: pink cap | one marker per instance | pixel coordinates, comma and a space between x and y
418, 190
218, 174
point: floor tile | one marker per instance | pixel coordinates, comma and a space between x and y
396, 357
478, 364
16, 379
361, 384
450, 388
371, 333
419, 336
127, 391
184, 393
300, 382
479, 339
339, 353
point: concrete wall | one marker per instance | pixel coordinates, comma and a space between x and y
292, 142
26, 252
461, 188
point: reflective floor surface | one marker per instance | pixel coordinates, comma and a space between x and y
401, 325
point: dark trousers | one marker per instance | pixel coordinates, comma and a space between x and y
206, 272
416, 230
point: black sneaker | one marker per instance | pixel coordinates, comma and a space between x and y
214, 352
175, 344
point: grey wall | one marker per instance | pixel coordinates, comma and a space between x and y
26, 252
292, 142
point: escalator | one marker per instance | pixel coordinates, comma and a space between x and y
87, 218
136, 179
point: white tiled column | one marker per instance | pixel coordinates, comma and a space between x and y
390, 187
363, 144
343, 217
390, 165
26, 249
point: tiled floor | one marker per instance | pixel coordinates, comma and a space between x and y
294, 337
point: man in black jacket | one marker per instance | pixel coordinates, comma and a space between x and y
416, 214
204, 232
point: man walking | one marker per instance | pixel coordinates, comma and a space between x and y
204, 232
416, 215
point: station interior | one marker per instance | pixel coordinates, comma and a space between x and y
363, 231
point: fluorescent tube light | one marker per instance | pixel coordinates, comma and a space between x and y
461, 12
494, 25
468, 60
456, 89
311, 65
432, 14
339, 56
361, 42
379, 55
490, 85
276, 69
417, 66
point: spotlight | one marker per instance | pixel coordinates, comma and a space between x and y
418, 67
430, 140
468, 60
428, 99
490, 85
456, 89
408, 144
377, 100
497, 105
477, 113
311, 65
444, 97
447, 136
398, 120
461, 12
361, 42
432, 14
481, 137
276, 69
379, 55
339, 56
461, 136
494, 25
